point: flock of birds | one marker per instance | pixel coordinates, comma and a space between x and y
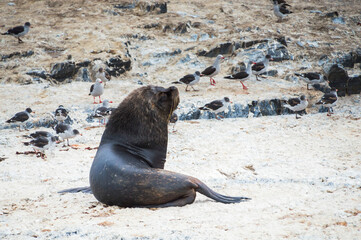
42, 140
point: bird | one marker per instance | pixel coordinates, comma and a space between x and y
61, 113
280, 9
297, 104
103, 111
173, 119
242, 75
329, 100
312, 78
18, 31
103, 75
213, 70
42, 143
217, 106
97, 89
65, 131
261, 67
21, 117
189, 80
38, 134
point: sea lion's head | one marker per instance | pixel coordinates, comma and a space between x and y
142, 117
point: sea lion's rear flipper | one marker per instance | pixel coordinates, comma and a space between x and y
205, 190
76, 190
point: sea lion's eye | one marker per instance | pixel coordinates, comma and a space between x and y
163, 97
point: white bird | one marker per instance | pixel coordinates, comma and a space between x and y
280, 9
103, 75
190, 79
217, 106
21, 117
97, 89
213, 70
329, 100
103, 111
297, 104
261, 67
65, 131
18, 31
243, 75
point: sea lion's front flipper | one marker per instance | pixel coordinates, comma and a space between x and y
76, 190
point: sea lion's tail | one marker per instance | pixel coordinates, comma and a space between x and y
76, 190
205, 190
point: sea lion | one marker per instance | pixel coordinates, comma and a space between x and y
128, 168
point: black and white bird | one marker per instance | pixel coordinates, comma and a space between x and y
242, 75
213, 70
312, 78
42, 143
102, 112
65, 131
261, 67
21, 117
38, 134
329, 100
97, 89
18, 31
280, 9
103, 75
217, 106
61, 113
297, 104
190, 80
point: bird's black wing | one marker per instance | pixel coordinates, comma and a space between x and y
19, 117
187, 79
328, 98
214, 105
61, 128
294, 101
209, 70
16, 30
38, 134
40, 142
312, 75
91, 89
239, 75
258, 67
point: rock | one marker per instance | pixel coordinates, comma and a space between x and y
338, 78
111, 12
350, 59
17, 54
117, 66
338, 20
63, 70
279, 53
83, 75
223, 48
38, 73
323, 60
354, 85
312, 44
331, 14
159, 8
153, 25
167, 54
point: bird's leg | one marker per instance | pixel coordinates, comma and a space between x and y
257, 78
328, 112
94, 101
244, 87
100, 101
187, 88
331, 109
211, 80
308, 87
214, 81
67, 140
19, 40
297, 117
194, 89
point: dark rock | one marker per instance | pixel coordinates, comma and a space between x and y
117, 66
223, 48
279, 52
124, 6
321, 87
338, 78
159, 8
38, 73
86, 63
63, 70
247, 44
282, 40
111, 12
354, 85
153, 25
167, 28
332, 14
84, 75
323, 60
17, 54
